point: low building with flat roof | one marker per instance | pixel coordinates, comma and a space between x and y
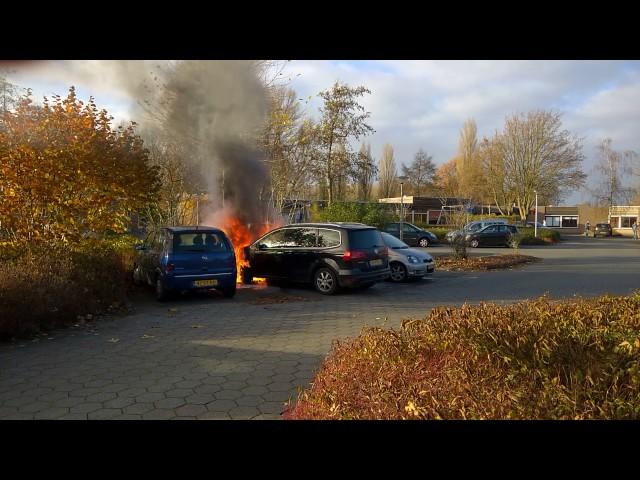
622, 218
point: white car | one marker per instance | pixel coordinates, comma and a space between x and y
406, 262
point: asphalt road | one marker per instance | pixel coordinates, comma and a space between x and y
205, 357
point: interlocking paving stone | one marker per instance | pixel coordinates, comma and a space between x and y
221, 405
169, 403
85, 407
51, 413
138, 408
105, 414
255, 356
101, 397
214, 416
159, 414
179, 392
191, 410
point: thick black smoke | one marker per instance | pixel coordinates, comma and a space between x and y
213, 110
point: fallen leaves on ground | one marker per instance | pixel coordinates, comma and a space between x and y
270, 299
492, 262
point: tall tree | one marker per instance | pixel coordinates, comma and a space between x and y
447, 179
468, 167
495, 176
611, 169
420, 173
540, 156
387, 176
288, 141
342, 119
364, 172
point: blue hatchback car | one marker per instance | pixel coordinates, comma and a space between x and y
178, 259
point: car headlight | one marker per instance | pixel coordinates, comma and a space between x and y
412, 259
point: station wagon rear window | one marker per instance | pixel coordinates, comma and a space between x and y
328, 238
199, 242
365, 238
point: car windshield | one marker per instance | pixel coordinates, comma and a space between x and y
603, 225
199, 242
368, 238
393, 242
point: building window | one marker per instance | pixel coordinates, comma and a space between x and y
615, 222
552, 220
569, 222
627, 222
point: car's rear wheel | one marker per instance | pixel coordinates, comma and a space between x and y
325, 281
424, 242
161, 292
228, 292
474, 243
398, 272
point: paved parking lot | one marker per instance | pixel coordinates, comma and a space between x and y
205, 357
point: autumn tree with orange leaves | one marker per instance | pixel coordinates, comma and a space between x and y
65, 172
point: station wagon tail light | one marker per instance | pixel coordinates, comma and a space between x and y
169, 268
385, 252
353, 255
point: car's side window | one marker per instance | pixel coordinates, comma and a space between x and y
274, 240
408, 228
328, 238
491, 229
300, 237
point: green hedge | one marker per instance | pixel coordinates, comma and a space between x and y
374, 214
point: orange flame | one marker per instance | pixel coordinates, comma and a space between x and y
242, 235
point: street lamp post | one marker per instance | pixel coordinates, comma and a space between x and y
402, 180
535, 223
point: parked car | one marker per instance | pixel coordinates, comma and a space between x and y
412, 235
328, 255
533, 225
603, 229
474, 226
406, 262
491, 235
178, 259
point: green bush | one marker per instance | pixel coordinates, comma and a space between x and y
374, 214
537, 359
547, 235
43, 286
439, 232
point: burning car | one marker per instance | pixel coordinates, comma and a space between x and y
328, 255
177, 259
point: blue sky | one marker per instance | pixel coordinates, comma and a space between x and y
423, 104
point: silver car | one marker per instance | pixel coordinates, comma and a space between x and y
406, 262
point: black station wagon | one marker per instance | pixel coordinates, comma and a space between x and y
328, 255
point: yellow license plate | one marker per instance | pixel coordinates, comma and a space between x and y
206, 283
375, 263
